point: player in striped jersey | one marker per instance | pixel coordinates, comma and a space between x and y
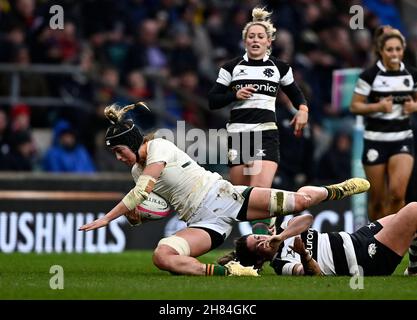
385, 94
375, 249
248, 85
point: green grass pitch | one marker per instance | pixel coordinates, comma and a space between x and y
131, 275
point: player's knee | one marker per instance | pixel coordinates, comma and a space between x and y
159, 259
302, 201
409, 212
396, 195
412, 208
167, 247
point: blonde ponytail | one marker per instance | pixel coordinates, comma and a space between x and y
261, 17
115, 114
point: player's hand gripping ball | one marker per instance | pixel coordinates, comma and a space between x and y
153, 208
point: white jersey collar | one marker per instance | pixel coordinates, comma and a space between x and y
382, 67
246, 58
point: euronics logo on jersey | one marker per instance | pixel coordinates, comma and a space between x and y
259, 87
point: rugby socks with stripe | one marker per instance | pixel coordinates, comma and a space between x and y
332, 193
215, 270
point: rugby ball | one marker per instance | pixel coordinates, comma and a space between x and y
153, 208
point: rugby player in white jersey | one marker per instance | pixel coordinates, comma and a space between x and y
203, 199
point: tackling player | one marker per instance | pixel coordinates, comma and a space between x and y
374, 250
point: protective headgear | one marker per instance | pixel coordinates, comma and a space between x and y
124, 133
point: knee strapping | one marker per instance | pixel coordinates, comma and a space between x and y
178, 244
281, 202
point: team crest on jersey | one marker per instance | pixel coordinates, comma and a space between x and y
372, 250
268, 72
406, 82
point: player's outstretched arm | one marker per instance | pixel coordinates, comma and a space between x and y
116, 212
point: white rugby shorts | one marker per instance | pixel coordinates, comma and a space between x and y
219, 209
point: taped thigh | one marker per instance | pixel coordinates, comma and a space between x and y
281, 202
178, 244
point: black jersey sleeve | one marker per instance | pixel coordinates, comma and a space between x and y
220, 96
368, 75
295, 94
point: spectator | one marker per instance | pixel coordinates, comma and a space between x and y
20, 118
145, 53
31, 84
137, 86
14, 37
22, 155
115, 47
4, 133
108, 89
65, 154
336, 161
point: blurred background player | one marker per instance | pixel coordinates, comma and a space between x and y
248, 85
386, 95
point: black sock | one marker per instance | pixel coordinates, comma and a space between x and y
412, 254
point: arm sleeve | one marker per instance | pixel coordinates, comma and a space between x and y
295, 94
220, 96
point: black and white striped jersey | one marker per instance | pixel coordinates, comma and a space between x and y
334, 252
377, 82
266, 76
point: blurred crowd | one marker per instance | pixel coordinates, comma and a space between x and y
170, 50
